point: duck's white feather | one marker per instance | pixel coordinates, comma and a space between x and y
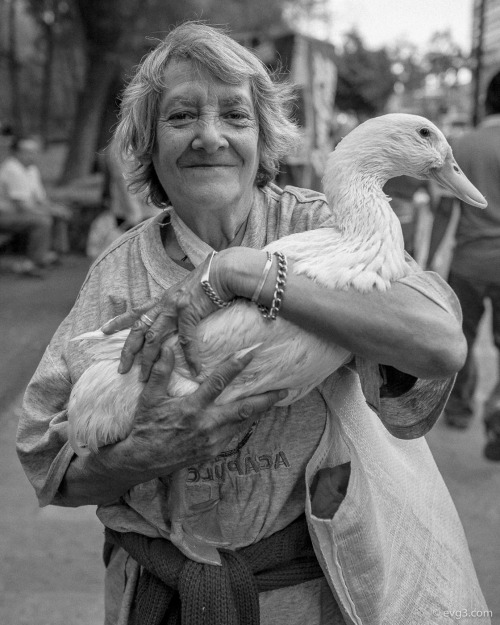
361, 246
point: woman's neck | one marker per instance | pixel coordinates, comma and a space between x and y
217, 229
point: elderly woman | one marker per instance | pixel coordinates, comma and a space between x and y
207, 127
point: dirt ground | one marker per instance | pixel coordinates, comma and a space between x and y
51, 557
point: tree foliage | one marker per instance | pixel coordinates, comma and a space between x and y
115, 36
407, 65
365, 79
83, 50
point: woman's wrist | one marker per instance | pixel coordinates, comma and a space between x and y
104, 477
238, 272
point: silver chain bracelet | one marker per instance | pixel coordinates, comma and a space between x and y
207, 287
279, 290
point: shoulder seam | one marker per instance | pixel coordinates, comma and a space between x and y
298, 195
114, 246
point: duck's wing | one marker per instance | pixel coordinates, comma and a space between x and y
322, 255
284, 355
102, 406
104, 346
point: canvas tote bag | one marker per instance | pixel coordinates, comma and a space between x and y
394, 552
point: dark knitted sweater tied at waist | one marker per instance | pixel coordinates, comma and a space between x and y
174, 590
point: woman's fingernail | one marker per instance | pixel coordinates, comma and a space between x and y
245, 358
120, 368
246, 355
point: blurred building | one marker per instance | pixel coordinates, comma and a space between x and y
486, 47
310, 64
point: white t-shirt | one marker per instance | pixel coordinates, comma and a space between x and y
21, 183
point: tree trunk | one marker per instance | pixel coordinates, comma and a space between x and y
44, 123
101, 73
111, 110
14, 74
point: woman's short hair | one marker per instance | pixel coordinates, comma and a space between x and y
212, 49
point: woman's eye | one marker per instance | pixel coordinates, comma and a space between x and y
181, 116
238, 117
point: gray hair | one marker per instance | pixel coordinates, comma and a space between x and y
210, 48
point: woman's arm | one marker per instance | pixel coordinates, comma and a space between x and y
168, 434
400, 327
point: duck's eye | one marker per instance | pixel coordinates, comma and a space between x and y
424, 132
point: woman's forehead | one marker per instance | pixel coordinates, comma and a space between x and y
187, 82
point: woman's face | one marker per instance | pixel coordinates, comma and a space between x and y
207, 143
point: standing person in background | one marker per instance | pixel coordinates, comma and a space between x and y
403, 192
122, 209
129, 209
475, 266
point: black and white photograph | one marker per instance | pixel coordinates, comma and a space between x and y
250, 312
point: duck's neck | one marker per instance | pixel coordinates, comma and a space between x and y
368, 224
361, 207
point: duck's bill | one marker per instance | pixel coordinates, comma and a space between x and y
451, 177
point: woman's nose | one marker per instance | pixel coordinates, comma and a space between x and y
209, 136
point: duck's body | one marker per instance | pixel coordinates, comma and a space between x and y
361, 247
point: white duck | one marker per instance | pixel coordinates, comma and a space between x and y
361, 246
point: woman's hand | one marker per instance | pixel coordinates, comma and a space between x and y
183, 306
183, 430
168, 434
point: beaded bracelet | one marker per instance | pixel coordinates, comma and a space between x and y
265, 273
279, 289
207, 287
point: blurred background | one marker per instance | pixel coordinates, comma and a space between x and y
63, 65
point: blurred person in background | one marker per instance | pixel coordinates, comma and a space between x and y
19, 214
407, 195
129, 209
122, 209
206, 128
475, 266
27, 207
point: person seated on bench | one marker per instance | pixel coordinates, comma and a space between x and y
26, 209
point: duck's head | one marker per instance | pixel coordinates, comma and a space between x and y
402, 144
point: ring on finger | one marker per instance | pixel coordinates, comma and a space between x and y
146, 320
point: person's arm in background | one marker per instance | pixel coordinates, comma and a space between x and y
43, 202
442, 216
